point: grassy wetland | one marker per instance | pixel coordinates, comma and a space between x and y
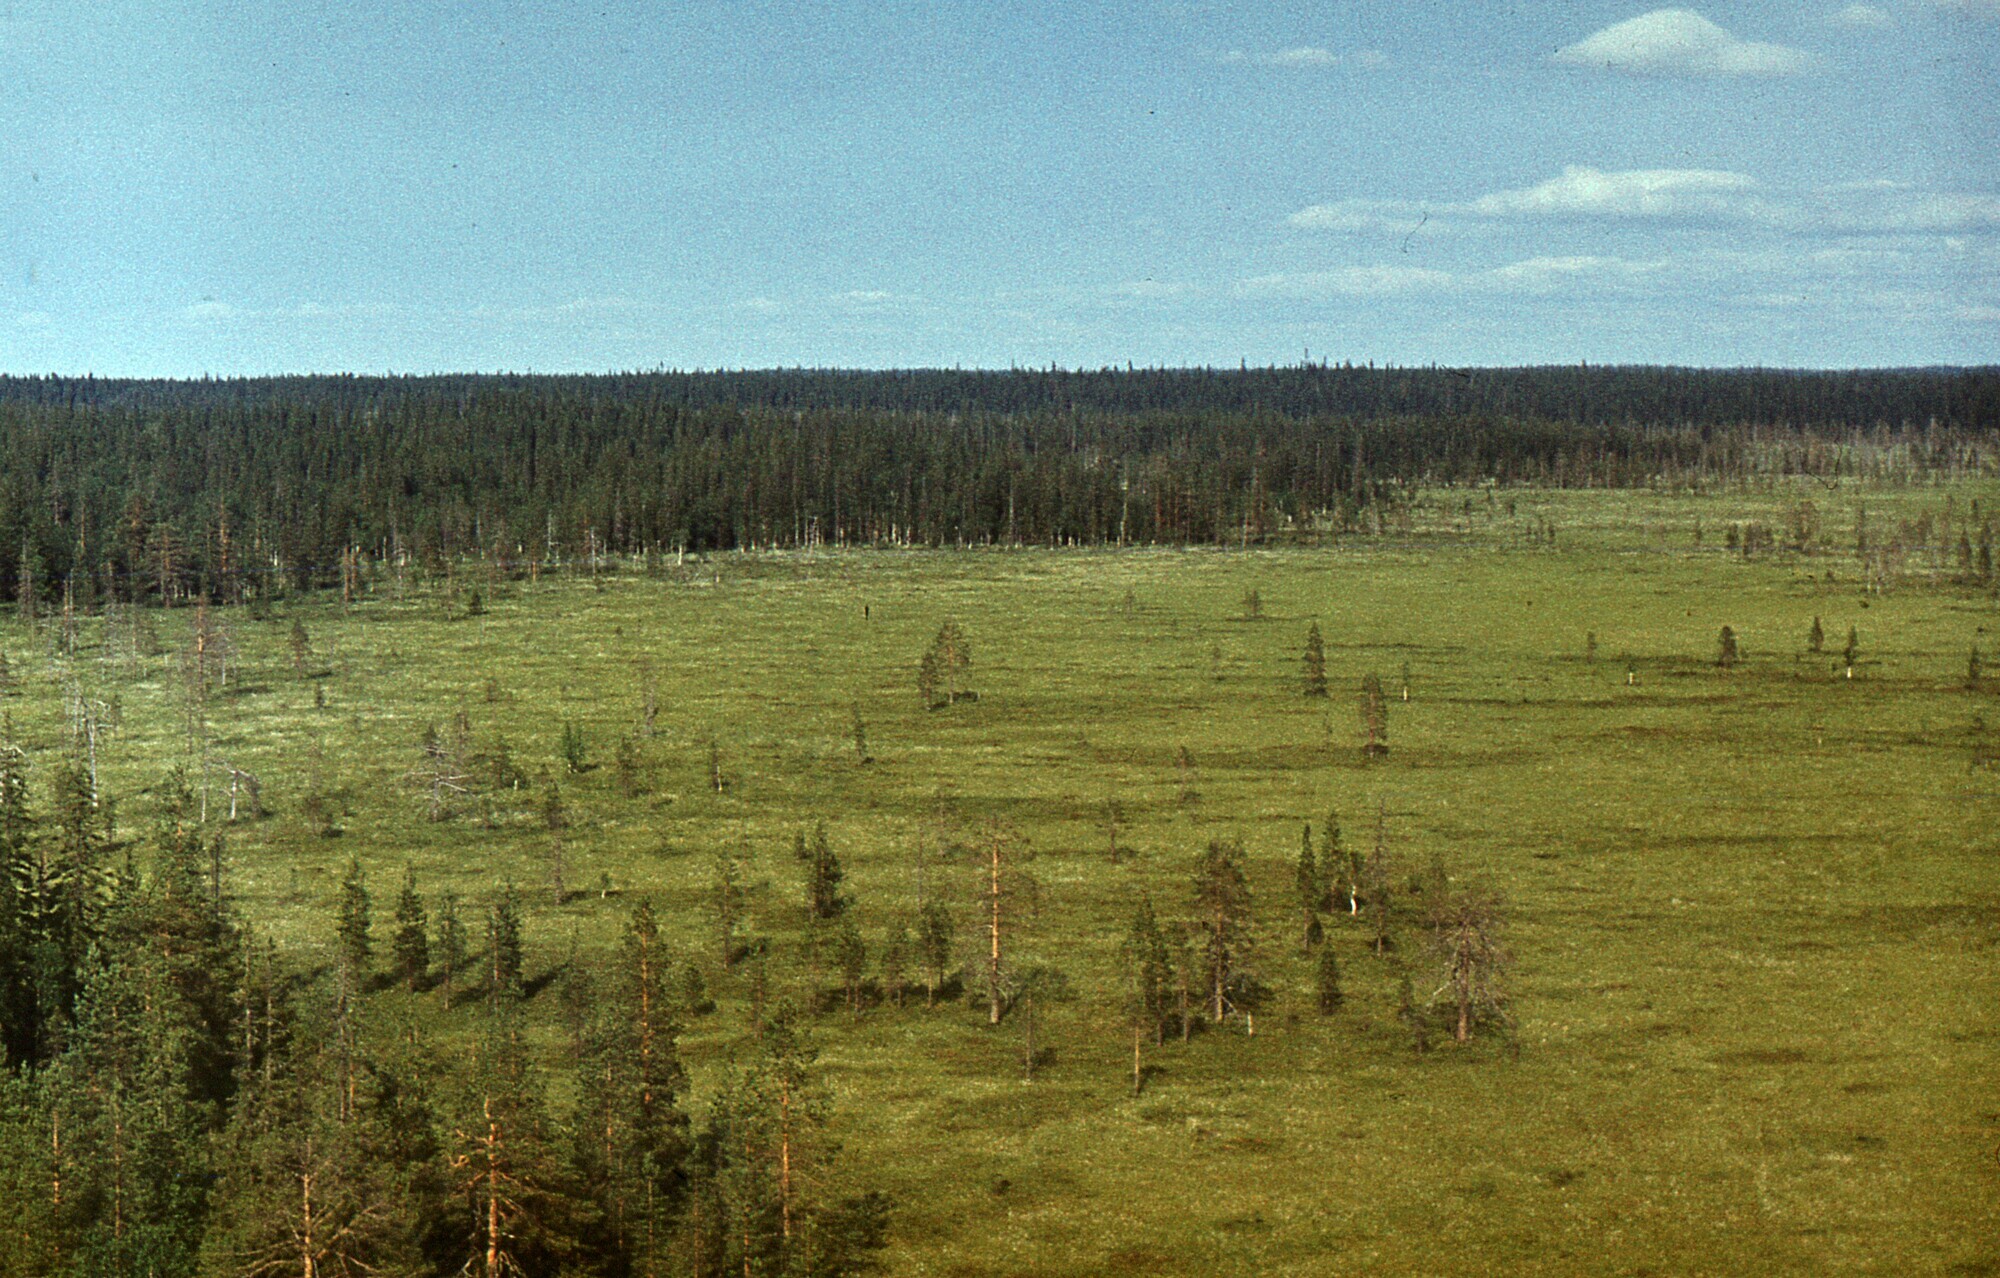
1751, 909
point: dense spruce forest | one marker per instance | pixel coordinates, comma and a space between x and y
158, 490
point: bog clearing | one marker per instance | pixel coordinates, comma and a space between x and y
1748, 904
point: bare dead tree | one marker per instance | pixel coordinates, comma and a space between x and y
439, 773
1465, 938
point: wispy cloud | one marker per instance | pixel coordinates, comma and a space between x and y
1308, 57
1680, 42
1580, 193
1861, 16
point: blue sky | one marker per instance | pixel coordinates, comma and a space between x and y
234, 188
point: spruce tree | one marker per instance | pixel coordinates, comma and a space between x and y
823, 898
353, 924
412, 945
1816, 637
1852, 652
1311, 887
1315, 662
1725, 650
503, 948
1327, 995
451, 944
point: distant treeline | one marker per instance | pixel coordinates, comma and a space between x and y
145, 488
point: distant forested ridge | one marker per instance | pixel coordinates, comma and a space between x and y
146, 489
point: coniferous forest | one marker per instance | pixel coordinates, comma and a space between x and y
1342, 817
181, 489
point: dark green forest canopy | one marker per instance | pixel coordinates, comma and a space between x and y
203, 487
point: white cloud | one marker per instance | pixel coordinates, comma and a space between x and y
1586, 192
1308, 57
211, 310
1879, 206
1680, 42
1348, 281
34, 319
1361, 217
1976, 8
1863, 16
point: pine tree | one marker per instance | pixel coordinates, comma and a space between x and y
503, 948
555, 819
1311, 884
1725, 652
1315, 662
823, 898
1377, 893
412, 944
935, 942
895, 965
633, 1133
954, 658
1222, 913
1852, 652
451, 944
1327, 994
1149, 973
526, 1214
1036, 986
354, 923
301, 647
929, 674
850, 956
1816, 637
1374, 717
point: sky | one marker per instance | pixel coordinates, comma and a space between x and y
194, 189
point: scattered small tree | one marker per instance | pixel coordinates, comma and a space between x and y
951, 652
556, 820
823, 877
1310, 878
860, 733
850, 956
301, 646
1035, 986
451, 944
1816, 638
1253, 605
1222, 914
928, 677
1852, 652
936, 943
574, 748
1725, 651
1327, 995
1973, 670
628, 764
1374, 717
1315, 662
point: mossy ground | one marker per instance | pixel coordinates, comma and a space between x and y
1754, 913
